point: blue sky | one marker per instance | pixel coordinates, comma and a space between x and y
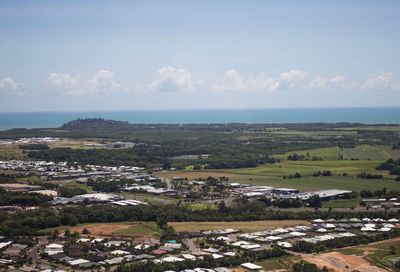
136, 55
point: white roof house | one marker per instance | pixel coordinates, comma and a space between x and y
173, 245
216, 256
284, 244
251, 246
2, 245
368, 229
189, 257
54, 246
119, 252
251, 266
384, 229
78, 262
172, 259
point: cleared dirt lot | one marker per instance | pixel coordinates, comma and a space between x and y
101, 229
122, 229
240, 225
342, 263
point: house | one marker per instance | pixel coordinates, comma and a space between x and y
116, 260
285, 244
159, 252
175, 246
53, 249
189, 257
77, 262
172, 259
251, 266
119, 252
217, 256
211, 250
222, 269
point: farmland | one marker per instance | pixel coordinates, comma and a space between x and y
360, 159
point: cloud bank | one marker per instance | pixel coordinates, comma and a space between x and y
101, 82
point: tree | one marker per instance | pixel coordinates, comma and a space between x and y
315, 201
55, 234
85, 231
222, 207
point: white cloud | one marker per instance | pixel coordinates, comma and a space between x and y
173, 79
323, 82
233, 81
293, 78
9, 84
101, 81
65, 83
382, 81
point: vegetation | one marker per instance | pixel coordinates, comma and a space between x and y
206, 262
30, 222
65, 191
22, 198
216, 146
303, 266
392, 165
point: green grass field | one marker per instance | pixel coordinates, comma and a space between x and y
74, 144
341, 203
307, 168
367, 158
351, 251
360, 152
371, 152
74, 184
318, 183
278, 263
199, 206
11, 152
326, 153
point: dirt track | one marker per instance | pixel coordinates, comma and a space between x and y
341, 262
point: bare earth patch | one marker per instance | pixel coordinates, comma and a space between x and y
341, 262
247, 226
101, 229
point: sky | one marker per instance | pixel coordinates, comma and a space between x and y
152, 55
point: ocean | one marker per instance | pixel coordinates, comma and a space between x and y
328, 115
